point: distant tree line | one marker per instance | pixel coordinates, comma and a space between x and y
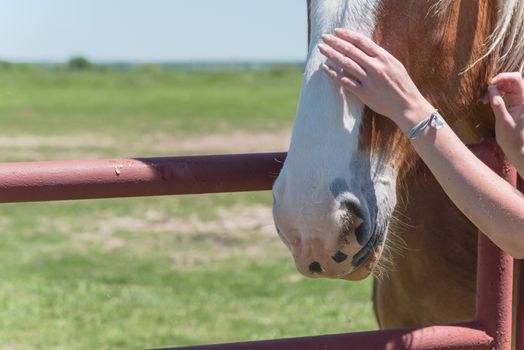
74, 64
80, 64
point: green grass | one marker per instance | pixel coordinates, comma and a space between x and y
134, 102
152, 272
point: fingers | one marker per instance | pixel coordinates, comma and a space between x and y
511, 76
348, 49
342, 61
362, 42
350, 83
498, 105
510, 82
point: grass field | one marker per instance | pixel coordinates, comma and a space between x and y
154, 272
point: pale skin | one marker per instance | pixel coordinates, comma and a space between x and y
382, 83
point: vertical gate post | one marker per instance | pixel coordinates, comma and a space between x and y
519, 280
495, 275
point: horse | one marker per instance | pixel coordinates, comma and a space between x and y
345, 200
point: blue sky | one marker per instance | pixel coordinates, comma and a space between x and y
153, 30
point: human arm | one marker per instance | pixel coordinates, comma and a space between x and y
382, 83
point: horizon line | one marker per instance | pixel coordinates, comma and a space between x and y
160, 62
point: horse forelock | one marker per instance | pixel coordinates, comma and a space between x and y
506, 40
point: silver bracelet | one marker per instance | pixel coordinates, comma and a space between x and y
434, 120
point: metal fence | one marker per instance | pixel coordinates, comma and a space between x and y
89, 179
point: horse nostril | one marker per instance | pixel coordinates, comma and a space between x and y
315, 267
354, 222
339, 257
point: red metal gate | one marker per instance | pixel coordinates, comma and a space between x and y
66, 180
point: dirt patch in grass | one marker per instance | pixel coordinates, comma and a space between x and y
39, 147
13, 346
237, 141
233, 232
252, 219
34, 141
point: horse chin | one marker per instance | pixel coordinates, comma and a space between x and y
363, 271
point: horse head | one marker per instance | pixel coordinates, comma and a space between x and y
335, 197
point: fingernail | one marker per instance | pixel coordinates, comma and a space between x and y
325, 36
321, 46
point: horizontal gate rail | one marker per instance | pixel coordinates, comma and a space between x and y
466, 336
90, 179
137, 177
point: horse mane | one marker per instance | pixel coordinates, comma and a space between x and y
506, 41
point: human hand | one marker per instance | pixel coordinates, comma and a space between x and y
506, 95
377, 78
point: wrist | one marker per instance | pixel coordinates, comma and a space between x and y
414, 114
513, 149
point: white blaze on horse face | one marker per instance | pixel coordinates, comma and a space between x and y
332, 202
